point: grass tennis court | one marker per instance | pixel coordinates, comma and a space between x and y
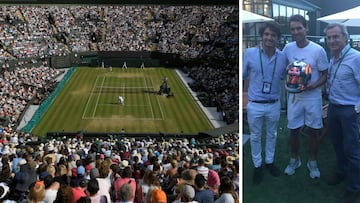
89, 102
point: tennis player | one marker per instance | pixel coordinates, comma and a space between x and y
121, 100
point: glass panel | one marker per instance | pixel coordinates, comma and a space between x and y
247, 7
267, 10
302, 12
296, 11
282, 10
275, 10
289, 11
259, 9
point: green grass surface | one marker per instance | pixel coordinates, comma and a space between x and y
89, 102
298, 188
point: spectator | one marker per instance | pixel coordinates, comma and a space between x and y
51, 188
37, 192
187, 194
202, 194
226, 191
4, 193
94, 173
216, 164
188, 176
93, 188
126, 194
125, 179
157, 195
64, 195
80, 190
61, 175
213, 182
172, 175
6, 176
148, 183
23, 180
202, 169
104, 181
80, 175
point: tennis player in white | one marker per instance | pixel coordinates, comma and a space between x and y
121, 100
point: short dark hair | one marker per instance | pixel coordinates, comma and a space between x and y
298, 18
273, 26
200, 180
83, 183
127, 172
48, 181
93, 186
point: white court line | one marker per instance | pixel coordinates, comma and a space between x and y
121, 118
121, 106
151, 108
194, 97
123, 88
98, 98
157, 99
88, 101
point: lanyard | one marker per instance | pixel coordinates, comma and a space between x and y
340, 61
262, 68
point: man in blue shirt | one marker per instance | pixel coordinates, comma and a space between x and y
202, 194
265, 66
343, 112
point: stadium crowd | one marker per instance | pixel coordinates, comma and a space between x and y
21, 84
221, 86
48, 30
119, 169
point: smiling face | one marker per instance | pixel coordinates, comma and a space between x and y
298, 31
269, 38
336, 40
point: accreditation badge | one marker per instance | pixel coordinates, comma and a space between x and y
266, 88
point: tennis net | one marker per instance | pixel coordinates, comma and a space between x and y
119, 90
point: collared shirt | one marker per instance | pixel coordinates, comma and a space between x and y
344, 86
252, 69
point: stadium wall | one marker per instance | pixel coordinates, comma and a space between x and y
117, 59
90, 135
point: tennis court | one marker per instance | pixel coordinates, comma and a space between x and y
138, 93
89, 102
